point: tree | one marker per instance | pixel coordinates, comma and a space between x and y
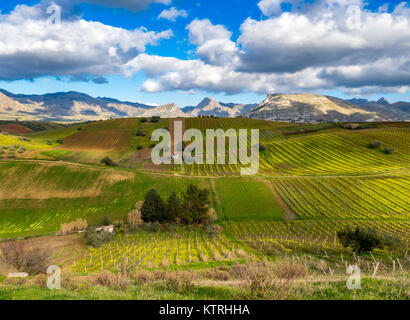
196, 205
107, 221
173, 208
360, 240
134, 217
109, 162
17, 254
153, 207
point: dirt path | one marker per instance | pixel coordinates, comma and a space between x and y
290, 214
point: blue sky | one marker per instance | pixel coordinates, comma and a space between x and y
232, 50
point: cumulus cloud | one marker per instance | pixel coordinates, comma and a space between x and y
270, 7
213, 42
172, 14
168, 73
293, 51
292, 42
31, 47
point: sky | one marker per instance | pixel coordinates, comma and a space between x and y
162, 51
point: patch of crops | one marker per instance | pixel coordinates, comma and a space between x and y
160, 249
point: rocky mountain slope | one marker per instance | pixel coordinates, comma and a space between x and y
75, 106
209, 106
313, 107
397, 110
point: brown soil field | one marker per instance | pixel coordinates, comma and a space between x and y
15, 128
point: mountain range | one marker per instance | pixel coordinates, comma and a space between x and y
76, 106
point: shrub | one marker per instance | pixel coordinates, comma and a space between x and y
259, 283
262, 148
112, 280
360, 239
213, 230
290, 270
155, 119
140, 148
352, 126
109, 162
74, 226
375, 144
142, 276
49, 142
141, 133
143, 120
179, 281
60, 141
152, 145
96, 238
21, 150
388, 150
31, 260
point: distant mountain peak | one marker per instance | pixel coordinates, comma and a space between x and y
383, 101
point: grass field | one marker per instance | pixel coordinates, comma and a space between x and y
246, 199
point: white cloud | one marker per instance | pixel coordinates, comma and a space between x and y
291, 52
30, 47
213, 41
270, 7
172, 14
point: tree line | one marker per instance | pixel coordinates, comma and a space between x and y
192, 207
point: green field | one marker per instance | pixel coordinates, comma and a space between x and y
246, 199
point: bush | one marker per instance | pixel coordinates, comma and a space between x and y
96, 238
290, 270
141, 133
140, 148
388, 150
60, 141
109, 162
360, 239
375, 144
31, 260
143, 120
262, 148
212, 230
49, 142
179, 281
155, 119
112, 280
152, 145
74, 226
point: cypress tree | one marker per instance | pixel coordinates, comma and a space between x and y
153, 208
